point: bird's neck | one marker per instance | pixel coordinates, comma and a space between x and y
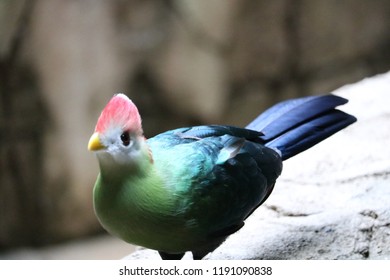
136, 176
132, 192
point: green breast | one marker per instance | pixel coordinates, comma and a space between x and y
144, 211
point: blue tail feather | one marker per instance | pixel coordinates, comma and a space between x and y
296, 125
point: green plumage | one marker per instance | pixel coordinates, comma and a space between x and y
184, 200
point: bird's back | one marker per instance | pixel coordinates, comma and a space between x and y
219, 174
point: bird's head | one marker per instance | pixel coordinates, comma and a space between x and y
118, 133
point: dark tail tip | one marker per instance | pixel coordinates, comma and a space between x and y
296, 125
311, 133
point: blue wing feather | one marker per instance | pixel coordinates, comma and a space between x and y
233, 187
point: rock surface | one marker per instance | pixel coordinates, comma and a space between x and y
332, 201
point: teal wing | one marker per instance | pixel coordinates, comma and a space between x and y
221, 174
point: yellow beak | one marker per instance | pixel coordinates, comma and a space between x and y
94, 143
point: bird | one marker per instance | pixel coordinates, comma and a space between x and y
188, 189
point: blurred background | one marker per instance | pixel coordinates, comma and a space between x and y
183, 62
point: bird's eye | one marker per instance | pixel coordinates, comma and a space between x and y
125, 138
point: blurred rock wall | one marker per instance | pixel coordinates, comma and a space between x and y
183, 62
